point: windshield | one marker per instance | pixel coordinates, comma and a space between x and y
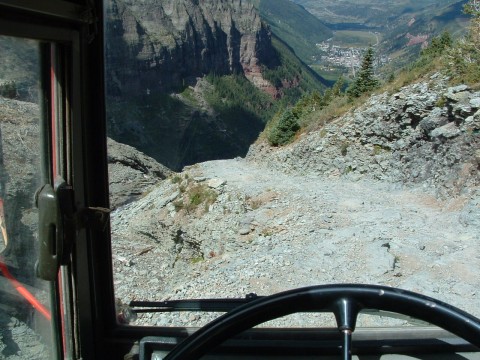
261, 146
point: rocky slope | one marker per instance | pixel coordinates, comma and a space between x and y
131, 173
388, 194
425, 134
19, 179
267, 232
19, 144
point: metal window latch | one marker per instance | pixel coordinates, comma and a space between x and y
58, 226
93, 217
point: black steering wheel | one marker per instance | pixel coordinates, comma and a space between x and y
345, 301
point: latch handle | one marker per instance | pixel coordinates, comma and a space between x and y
59, 222
49, 228
55, 209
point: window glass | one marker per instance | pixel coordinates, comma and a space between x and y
25, 309
232, 178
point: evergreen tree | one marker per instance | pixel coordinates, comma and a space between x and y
438, 45
365, 80
464, 57
285, 130
337, 88
309, 103
472, 7
302, 106
316, 100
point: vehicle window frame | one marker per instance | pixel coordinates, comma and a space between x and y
90, 272
74, 28
169, 336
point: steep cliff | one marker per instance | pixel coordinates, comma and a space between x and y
164, 44
189, 81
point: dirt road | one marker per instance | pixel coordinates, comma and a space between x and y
303, 230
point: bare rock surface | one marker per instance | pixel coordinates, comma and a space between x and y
131, 173
268, 231
160, 43
19, 178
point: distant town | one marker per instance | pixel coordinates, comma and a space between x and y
335, 56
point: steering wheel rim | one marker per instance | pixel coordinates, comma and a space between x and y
344, 300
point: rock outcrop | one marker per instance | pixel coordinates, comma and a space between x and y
131, 173
425, 134
20, 177
162, 45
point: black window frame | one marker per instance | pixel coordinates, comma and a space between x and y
77, 28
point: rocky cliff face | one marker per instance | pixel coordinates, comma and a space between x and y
131, 173
163, 44
19, 178
158, 53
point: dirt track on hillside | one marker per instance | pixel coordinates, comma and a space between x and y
305, 230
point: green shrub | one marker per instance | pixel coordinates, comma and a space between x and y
284, 131
198, 195
460, 60
193, 196
380, 149
438, 46
196, 259
464, 61
441, 102
176, 179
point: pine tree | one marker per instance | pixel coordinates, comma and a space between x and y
464, 57
337, 88
438, 45
472, 7
365, 80
285, 130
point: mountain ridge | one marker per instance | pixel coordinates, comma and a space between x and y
402, 28
294, 25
